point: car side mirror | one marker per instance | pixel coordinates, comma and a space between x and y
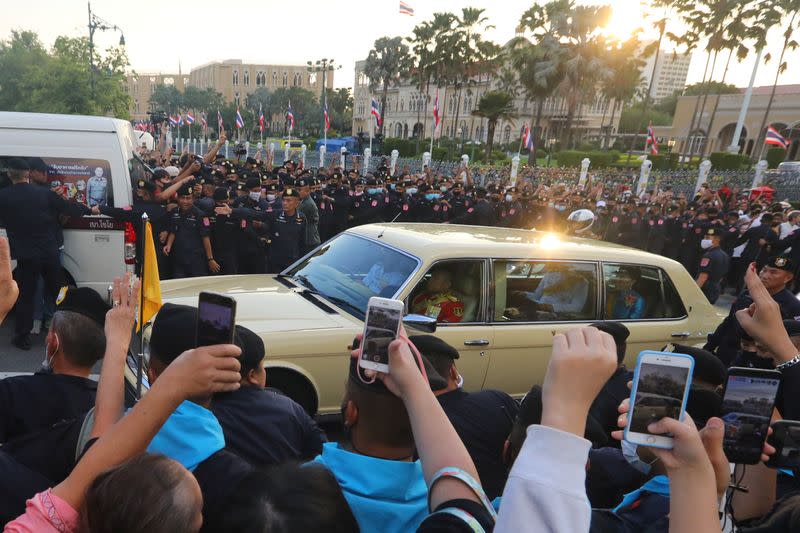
420, 322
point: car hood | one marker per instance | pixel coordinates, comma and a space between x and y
263, 304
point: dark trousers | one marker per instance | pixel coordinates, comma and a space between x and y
189, 267
29, 271
252, 260
228, 262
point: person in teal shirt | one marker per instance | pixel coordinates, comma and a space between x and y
627, 304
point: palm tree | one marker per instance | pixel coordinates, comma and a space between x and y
385, 64
624, 79
494, 106
423, 47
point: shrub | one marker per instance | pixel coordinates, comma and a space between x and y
406, 147
726, 161
439, 154
775, 157
570, 158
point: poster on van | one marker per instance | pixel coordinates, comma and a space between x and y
85, 181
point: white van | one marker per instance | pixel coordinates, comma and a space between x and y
91, 160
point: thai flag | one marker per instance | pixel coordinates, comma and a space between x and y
406, 9
239, 119
173, 121
327, 118
220, 124
652, 142
189, 118
437, 119
290, 117
180, 119
260, 118
376, 112
775, 138
203, 120
527, 137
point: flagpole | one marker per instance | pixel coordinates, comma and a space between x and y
522, 137
140, 362
324, 122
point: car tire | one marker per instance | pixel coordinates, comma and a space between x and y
295, 386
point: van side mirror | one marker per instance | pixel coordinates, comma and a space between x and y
421, 323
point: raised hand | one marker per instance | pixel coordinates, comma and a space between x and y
8, 287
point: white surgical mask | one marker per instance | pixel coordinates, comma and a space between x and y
508, 197
255, 195
706, 244
271, 197
629, 452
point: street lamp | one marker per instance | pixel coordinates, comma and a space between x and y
96, 23
324, 66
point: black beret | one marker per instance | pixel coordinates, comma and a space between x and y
17, 163
160, 174
185, 190
174, 331
252, 183
302, 182
429, 345
251, 160
372, 181
84, 301
219, 156
782, 262
38, 164
271, 187
146, 185
707, 366
221, 193
252, 349
792, 327
618, 330
291, 193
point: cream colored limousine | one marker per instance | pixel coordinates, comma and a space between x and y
497, 295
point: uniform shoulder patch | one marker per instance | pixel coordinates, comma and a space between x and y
61, 295
206, 222
705, 261
458, 311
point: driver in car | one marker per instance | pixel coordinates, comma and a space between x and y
438, 300
378, 277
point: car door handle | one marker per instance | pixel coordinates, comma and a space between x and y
477, 342
681, 334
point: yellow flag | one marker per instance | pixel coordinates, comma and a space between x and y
151, 285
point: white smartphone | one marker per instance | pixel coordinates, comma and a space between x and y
381, 327
660, 389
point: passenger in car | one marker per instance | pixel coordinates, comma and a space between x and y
438, 300
561, 291
624, 302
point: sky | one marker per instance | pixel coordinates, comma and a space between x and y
160, 35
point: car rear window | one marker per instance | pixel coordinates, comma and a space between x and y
639, 292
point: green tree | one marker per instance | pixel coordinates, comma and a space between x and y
340, 109
633, 120
166, 98
494, 106
624, 77
387, 61
59, 80
198, 99
304, 106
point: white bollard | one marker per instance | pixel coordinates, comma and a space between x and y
367, 155
702, 175
322, 150
393, 162
247, 148
644, 175
272, 152
761, 167
303, 155
584, 171
227, 144
426, 159
342, 156
285, 152
514, 170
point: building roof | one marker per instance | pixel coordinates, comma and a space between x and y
780, 89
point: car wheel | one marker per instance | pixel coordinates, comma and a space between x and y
295, 386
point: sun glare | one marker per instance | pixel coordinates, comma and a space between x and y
626, 17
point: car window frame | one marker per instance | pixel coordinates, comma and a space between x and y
661, 278
484, 308
598, 293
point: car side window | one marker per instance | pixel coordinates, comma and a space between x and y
638, 292
527, 291
450, 292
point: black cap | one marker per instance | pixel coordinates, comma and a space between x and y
302, 182
251, 161
185, 190
17, 163
435, 381
530, 410
38, 164
618, 330
84, 301
707, 366
271, 187
252, 183
429, 345
252, 349
792, 327
713, 232
782, 262
221, 193
174, 332
291, 193
160, 174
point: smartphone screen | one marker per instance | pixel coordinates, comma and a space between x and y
659, 393
216, 318
747, 409
380, 328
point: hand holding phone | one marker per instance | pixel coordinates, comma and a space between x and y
660, 390
746, 410
216, 319
785, 439
381, 327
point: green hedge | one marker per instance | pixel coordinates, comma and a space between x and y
726, 161
406, 147
573, 158
775, 157
664, 161
439, 154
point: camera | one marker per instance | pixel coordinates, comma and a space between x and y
157, 117
239, 149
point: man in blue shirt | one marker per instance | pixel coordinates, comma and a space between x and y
626, 303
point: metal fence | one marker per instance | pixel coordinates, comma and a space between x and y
786, 184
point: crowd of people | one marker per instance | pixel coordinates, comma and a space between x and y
211, 447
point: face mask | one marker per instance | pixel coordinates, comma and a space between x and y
359, 193
706, 244
508, 198
373, 191
443, 188
392, 186
561, 208
255, 196
629, 452
431, 196
271, 197
411, 190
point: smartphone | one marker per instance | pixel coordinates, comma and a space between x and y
746, 409
785, 439
381, 327
660, 389
216, 318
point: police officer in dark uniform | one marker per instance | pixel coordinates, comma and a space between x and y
225, 232
459, 202
656, 231
511, 214
188, 243
359, 204
287, 233
714, 265
617, 220
374, 205
429, 206
479, 214
30, 215
252, 239
340, 195
401, 206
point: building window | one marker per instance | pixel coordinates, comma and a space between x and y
136, 106
169, 81
285, 79
236, 77
507, 134
247, 77
297, 81
274, 78
236, 98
